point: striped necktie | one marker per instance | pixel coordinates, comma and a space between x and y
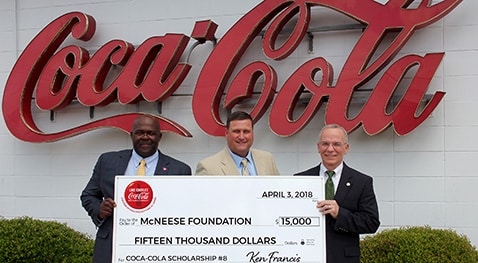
244, 170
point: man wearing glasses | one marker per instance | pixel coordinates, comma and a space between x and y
350, 207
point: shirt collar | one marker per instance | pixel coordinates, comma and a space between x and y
337, 170
237, 159
150, 160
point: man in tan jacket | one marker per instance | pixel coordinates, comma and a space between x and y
238, 158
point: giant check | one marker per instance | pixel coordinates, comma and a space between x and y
218, 219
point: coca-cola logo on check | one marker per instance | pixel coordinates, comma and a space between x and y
138, 195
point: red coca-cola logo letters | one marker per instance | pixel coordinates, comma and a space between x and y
152, 71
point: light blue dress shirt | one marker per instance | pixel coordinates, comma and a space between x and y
133, 164
238, 161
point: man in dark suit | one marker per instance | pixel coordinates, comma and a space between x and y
97, 197
352, 209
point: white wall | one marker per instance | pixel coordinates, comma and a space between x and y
424, 178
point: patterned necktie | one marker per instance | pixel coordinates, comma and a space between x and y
329, 186
244, 171
141, 168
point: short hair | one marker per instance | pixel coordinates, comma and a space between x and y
238, 116
335, 126
136, 121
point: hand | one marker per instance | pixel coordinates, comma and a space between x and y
328, 207
106, 208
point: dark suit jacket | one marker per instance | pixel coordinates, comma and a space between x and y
101, 185
358, 214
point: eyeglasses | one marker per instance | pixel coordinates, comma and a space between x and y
335, 145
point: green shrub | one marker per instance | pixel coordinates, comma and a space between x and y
30, 240
417, 244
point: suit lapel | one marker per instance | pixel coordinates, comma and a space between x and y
228, 166
162, 167
344, 184
122, 162
260, 169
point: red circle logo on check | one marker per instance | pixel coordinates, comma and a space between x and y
138, 195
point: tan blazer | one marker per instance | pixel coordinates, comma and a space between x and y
222, 163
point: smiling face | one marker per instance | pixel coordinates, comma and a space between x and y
333, 146
146, 135
240, 136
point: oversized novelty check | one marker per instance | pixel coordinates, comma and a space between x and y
218, 219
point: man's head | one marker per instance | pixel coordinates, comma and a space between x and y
239, 133
332, 145
145, 135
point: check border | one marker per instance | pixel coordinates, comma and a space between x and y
218, 219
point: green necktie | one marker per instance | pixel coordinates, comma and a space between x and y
329, 186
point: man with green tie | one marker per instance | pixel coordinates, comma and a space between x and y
350, 207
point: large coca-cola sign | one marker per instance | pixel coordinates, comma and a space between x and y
152, 71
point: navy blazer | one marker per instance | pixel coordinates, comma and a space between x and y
101, 185
358, 214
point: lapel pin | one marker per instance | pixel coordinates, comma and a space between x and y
347, 184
